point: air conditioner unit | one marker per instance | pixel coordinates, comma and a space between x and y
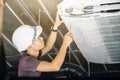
95, 25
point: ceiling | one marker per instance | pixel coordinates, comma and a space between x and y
19, 12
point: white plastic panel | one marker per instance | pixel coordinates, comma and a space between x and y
97, 35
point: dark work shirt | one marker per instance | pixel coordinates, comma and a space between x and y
28, 65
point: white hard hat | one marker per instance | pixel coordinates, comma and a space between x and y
24, 35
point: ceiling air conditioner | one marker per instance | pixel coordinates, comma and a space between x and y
95, 25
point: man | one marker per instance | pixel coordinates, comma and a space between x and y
28, 41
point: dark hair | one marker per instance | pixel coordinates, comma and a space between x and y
23, 52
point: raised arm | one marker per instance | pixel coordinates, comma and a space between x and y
56, 64
52, 38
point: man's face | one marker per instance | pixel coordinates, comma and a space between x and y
39, 43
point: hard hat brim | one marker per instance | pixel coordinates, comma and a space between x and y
39, 30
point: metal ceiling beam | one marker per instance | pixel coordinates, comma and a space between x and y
14, 14
8, 64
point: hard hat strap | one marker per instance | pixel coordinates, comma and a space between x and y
34, 36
